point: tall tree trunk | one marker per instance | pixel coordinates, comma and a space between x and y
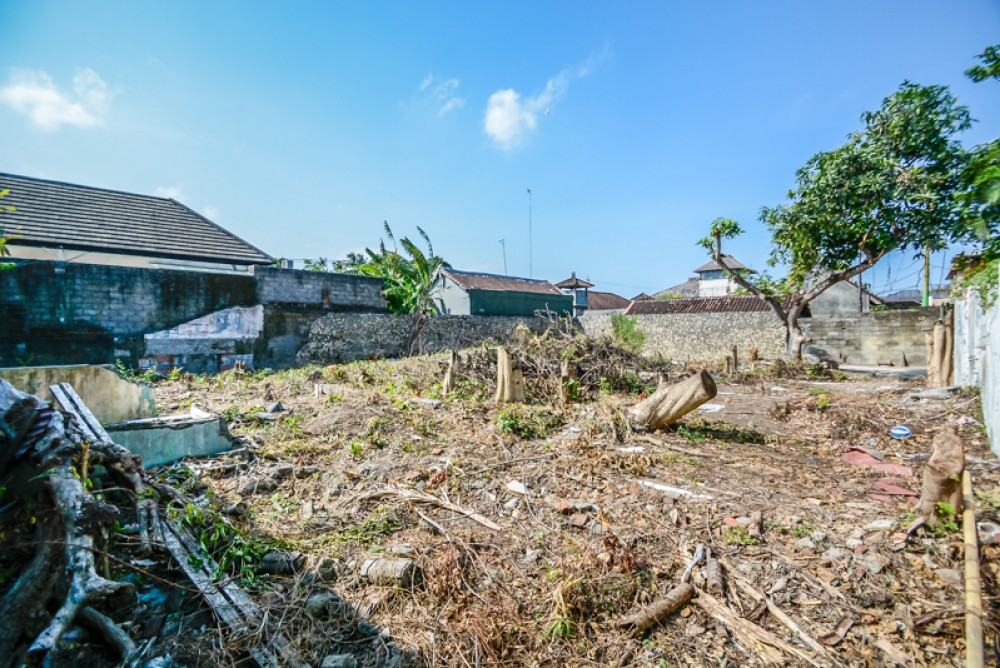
796, 338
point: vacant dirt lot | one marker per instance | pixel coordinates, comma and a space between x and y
535, 529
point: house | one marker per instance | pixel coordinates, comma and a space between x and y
711, 281
577, 288
475, 293
607, 301
65, 222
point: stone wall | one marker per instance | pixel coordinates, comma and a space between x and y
345, 337
877, 337
691, 337
65, 313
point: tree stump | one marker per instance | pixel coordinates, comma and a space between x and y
942, 482
671, 403
448, 384
940, 359
566, 377
510, 381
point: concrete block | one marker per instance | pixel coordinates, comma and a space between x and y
168, 439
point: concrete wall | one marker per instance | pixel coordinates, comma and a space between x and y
699, 336
977, 357
339, 292
64, 313
877, 337
109, 397
345, 337
840, 299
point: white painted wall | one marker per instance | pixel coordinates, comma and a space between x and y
977, 357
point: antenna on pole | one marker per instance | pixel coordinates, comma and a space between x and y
503, 244
530, 267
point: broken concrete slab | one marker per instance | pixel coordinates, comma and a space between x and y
167, 439
110, 397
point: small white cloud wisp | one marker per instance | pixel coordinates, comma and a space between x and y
510, 117
442, 93
35, 95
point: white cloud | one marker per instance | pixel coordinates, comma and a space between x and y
35, 94
511, 117
442, 93
210, 212
173, 192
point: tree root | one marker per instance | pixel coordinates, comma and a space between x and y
48, 446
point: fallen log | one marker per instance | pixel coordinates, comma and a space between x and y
671, 403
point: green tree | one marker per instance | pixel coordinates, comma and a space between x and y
895, 184
983, 196
4, 237
408, 278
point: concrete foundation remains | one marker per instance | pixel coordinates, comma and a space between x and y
168, 439
110, 397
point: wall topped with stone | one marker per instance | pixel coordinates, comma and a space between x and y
700, 337
345, 337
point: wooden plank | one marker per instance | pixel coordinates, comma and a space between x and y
233, 605
73, 404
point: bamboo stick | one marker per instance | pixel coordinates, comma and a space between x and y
973, 596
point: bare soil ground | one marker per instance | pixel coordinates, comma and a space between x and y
570, 533
535, 529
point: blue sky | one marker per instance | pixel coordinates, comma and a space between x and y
302, 126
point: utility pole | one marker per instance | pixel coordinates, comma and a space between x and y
530, 267
503, 244
926, 299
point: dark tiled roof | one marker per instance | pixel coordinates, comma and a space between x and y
470, 280
604, 301
688, 288
54, 214
731, 262
641, 295
702, 305
573, 282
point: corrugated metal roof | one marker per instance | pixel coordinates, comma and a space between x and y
731, 262
698, 305
75, 217
604, 301
468, 280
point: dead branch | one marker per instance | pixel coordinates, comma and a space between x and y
768, 647
412, 496
652, 615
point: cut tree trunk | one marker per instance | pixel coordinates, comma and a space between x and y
671, 403
942, 481
566, 377
510, 381
940, 345
448, 384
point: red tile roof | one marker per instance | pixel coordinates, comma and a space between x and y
604, 301
573, 282
470, 280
